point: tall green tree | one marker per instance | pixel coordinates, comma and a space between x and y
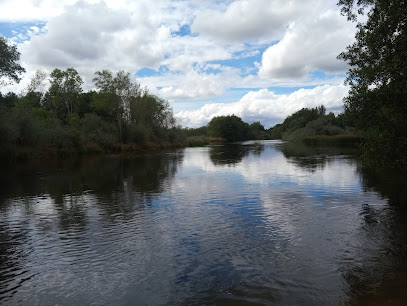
377, 99
37, 82
9, 67
115, 95
35, 89
63, 93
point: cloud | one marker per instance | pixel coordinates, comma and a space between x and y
222, 52
247, 20
266, 106
28, 10
184, 52
91, 37
197, 83
311, 44
122, 35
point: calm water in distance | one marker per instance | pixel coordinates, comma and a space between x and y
251, 223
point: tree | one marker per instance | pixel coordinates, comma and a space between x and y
9, 68
126, 90
150, 111
35, 89
258, 131
377, 99
231, 128
37, 82
321, 110
9, 100
65, 88
115, 95
120, 85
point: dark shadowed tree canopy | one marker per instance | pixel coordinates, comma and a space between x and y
309, 122
9, 68
377, 100
231, 128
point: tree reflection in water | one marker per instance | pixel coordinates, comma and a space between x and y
312, 158
380, 277
377, 272
55, 200
232, 154
109, 216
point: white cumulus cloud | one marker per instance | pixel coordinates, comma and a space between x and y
266, 106
195, 50
310, 44
247, 20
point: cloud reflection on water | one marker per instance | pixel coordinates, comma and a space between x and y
261, 222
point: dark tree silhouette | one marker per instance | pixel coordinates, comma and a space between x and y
377, 100
9, 68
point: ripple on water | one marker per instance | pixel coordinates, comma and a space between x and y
208, 226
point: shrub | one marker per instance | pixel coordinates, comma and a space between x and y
137, 133
9, 131
96, 130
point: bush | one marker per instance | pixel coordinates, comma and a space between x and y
9, 131
322, 126
96, 130
58, 137
29, 128
231, 128
137, 134
201, 131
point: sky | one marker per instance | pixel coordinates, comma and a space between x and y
261, 60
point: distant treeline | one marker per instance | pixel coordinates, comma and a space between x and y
119, 115
309, 125
227, 128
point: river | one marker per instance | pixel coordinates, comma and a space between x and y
250, 223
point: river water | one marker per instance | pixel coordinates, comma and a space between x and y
251, 223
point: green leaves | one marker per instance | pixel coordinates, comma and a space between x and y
65, 89
9, 68
66, 117
377, 99
231, 128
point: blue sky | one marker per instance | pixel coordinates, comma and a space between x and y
258, 59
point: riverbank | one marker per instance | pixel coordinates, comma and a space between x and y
201, 141
335, 140
25, 153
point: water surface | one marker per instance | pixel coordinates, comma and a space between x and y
256, 222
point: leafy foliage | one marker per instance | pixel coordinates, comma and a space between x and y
312, 122
37, 82
9, 68
231, 128
377, 101
62, 96
201, 131
66, 118
258, 131
116, 94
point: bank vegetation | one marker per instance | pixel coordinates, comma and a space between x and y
64, 120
